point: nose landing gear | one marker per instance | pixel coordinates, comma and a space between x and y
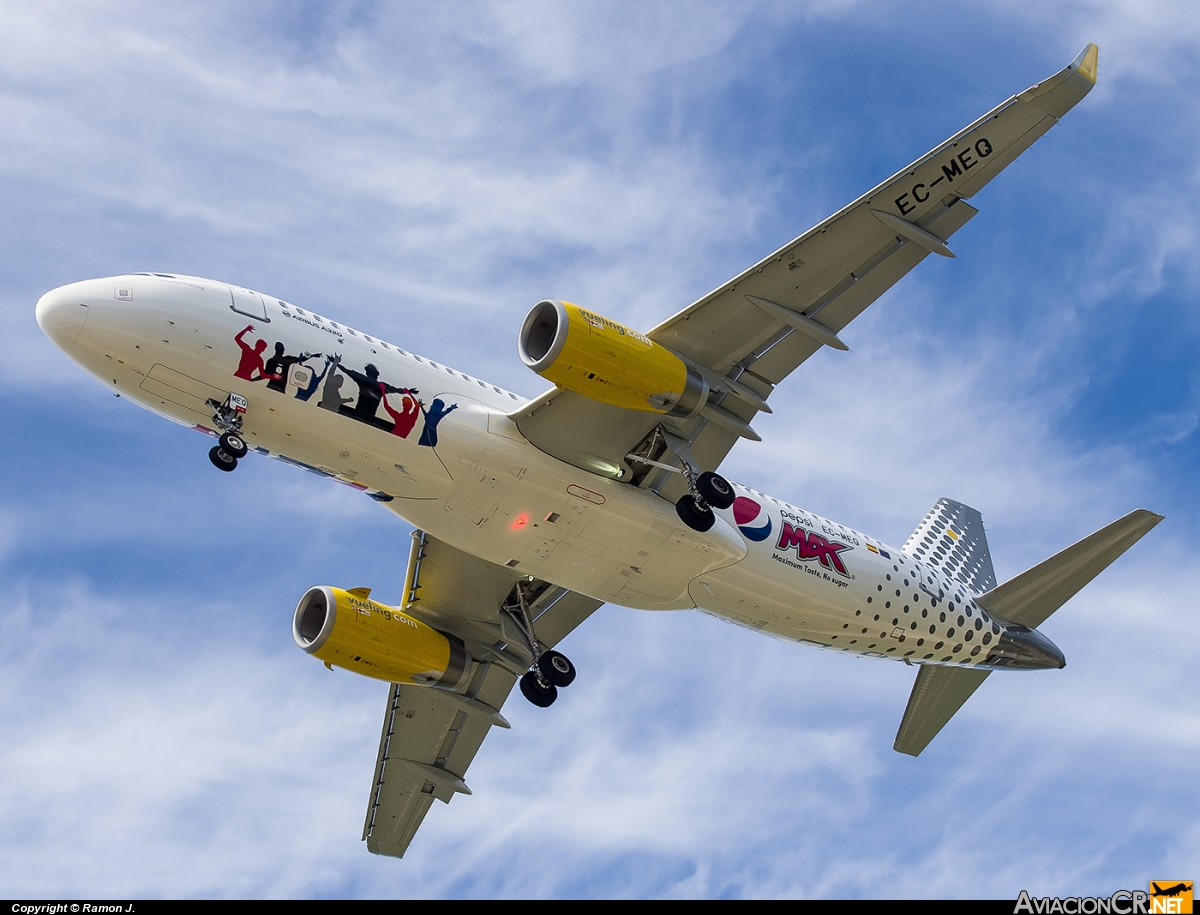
230, 446
224, 456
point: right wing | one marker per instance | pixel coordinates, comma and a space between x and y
759, 326
429, 735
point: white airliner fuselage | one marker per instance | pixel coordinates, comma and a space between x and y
437, 447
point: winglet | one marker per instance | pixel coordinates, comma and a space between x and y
1058, 94
1085, 63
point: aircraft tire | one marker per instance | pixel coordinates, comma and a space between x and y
692, 516
233, 445
221, 460
532, 690
715, 490
557, 668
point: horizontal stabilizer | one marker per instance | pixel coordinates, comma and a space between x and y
1032, 596
938, 693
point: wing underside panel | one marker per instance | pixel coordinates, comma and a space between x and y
429, 737
420, 728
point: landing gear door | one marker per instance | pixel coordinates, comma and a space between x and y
248, 303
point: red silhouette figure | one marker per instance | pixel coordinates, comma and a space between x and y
252, 360
407, 417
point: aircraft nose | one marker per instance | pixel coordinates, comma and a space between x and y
61, 316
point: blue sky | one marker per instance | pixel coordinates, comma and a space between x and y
426, 173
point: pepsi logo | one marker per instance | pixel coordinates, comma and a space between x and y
751, 520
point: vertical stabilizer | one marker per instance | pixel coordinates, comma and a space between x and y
951, 539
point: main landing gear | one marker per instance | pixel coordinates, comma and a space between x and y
551, 670
705, 492
230, 446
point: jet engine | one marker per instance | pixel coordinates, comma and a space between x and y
350, 630
584, 352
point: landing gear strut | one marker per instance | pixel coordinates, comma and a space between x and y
230, 446
706, 491
550, 669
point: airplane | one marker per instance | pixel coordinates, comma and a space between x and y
531, 514
1174, 890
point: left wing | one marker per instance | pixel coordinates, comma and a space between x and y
754, 330
429, 735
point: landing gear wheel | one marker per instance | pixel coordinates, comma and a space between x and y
221, 460
714, 489
556, 668
691, 514
233, 445
542, 697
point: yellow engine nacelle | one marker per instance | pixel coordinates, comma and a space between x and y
582, 351
350, 630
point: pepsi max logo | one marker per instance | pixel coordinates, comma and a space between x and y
751, 520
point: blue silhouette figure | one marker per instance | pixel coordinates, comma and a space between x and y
306, 392
435, 414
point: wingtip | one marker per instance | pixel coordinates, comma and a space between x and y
1085, 64
1152, 516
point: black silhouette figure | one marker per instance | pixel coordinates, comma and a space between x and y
277, 368
435, 414
370, 392
331, 394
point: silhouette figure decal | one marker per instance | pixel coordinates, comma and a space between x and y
373, 392
252, 360
308, 390
435, 414
406, 417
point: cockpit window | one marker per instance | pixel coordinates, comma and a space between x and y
248, 303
